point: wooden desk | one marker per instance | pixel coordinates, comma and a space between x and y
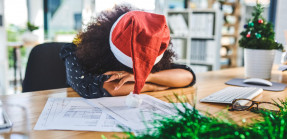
35, 102
207, 83
211, 82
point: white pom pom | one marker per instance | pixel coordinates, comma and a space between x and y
133, 100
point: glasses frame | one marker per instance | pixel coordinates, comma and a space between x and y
251, 107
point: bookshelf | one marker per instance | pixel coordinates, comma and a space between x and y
230, 33
196, 36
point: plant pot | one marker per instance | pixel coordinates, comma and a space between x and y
30, 39
258, 63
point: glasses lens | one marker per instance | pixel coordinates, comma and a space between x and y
241, 104
268, 106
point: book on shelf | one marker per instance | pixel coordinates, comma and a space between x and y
198, 50
210, 51
179, 48
202, 25
195, 37
178, 25
202, 51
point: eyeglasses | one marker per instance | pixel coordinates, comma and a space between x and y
248, 105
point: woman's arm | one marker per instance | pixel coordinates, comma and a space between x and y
171, 78
129, 87
179, 76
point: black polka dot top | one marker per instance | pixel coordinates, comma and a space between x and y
85, 84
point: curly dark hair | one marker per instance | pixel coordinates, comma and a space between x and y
94, 52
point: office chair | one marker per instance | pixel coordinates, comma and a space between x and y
45, 69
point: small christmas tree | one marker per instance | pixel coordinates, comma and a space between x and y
258, 33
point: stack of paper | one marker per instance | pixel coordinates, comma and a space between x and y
103, 114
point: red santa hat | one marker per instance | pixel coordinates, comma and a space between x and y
138, 40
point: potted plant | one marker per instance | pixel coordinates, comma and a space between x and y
29, 38
259, 45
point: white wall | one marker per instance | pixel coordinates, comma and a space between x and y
63, 19
281, 21
280, 26
37, 17
3, 54
88, 11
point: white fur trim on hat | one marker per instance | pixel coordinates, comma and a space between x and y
120, 56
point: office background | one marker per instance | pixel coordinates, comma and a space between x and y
60, 20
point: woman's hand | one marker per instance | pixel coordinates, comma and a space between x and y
155, 87
122, 76
129, 87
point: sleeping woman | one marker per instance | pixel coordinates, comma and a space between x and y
123, 50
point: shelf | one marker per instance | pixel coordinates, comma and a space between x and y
203, 11
225, 66
227, 3
191, 11
179, 36
190, 37
202, 38
181, 61
14, 44
197, 62
227, 56
231, 14
178, 11
229, 35
229, 46
229, 25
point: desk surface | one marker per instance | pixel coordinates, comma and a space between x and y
207, 83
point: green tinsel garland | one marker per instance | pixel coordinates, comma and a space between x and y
192, 124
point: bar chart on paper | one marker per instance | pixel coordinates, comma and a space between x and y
75, 114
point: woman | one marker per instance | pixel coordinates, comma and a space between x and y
94, 69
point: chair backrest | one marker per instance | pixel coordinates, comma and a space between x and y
45, 69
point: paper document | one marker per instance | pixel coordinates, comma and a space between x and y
75, 114
102, 114
136, 118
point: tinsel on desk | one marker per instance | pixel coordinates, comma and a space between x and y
193, 125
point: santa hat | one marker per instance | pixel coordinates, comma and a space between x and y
138, 40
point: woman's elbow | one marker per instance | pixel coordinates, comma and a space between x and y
185, 80
189, 79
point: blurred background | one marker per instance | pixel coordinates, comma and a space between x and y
27, 23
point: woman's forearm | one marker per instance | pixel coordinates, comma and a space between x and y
171, 78
129, 87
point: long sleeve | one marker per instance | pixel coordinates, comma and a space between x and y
87, 85
178, 66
